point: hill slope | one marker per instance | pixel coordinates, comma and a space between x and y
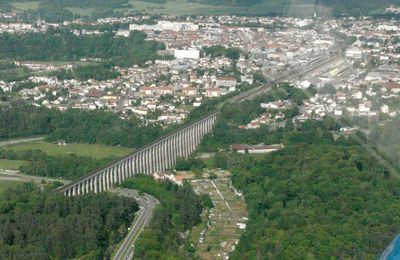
64, 9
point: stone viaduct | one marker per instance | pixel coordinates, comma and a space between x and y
157, 156
162, 153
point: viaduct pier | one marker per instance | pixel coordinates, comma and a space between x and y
157, 156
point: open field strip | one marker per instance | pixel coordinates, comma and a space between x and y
92, 150
11, 164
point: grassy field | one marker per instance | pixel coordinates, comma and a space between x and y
209, 162
11, 164
29, 5
91, 150
17, 74
4, 185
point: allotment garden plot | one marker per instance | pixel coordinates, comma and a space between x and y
223, 225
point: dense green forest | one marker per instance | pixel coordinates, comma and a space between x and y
357, 8
63, 45
179, 211
316, 198
228, 2
317, 201
59, 10
38, 224
76, 3
69, 166
321, 197
338, 7
85, 4
74, 126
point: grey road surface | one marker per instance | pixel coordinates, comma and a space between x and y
20, 140
10, 175
147, 204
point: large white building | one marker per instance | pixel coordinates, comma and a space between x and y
165, 26
228, 82
187, 54
354, 53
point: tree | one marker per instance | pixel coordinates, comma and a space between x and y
47, 225
233, 53
179, 210
327, 89
285, 216
221, 160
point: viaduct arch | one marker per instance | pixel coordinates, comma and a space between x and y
156, 156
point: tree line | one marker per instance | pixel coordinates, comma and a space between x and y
37, 224
63, 45
323, 196
318, 197
338, 7
68, 166
316, 201
57, 11
75, 126
219, 50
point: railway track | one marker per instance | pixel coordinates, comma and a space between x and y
292, 74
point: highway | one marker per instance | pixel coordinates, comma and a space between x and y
147, 205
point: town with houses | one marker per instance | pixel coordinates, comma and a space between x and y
364, 81
229, 136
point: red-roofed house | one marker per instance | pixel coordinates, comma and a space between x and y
393, 86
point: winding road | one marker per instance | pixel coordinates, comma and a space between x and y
143, 217
147, 205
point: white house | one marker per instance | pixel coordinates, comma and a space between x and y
259, 148
227, 82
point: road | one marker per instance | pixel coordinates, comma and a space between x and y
9, 175
21, 140
143, 217
147, 205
